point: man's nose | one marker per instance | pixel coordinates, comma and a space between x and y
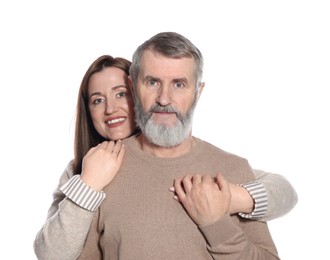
164, 96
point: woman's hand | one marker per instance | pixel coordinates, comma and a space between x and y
101, 164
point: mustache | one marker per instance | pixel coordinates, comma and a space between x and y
166, 109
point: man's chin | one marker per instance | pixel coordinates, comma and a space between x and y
163, 122
164, 144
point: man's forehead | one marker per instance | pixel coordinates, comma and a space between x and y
157, 65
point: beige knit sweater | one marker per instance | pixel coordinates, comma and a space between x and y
140, 220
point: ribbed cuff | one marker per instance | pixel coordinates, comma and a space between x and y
81, 194
259, 195
220, 231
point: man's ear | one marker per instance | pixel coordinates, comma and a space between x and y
200, 90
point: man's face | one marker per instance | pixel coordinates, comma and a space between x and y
166, 98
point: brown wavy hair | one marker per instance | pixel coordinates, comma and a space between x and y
86, 136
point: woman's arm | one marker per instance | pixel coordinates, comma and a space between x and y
75, 200
63, 234
270, 196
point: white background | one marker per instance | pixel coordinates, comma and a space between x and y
267, 67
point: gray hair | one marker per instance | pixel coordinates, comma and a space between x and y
169, 44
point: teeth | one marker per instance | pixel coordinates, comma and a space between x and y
115, 121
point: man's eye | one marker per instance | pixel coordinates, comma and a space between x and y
152, 82
179, 85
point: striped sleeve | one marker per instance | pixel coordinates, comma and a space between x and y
259, 195
81, 194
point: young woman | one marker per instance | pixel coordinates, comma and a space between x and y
105, 115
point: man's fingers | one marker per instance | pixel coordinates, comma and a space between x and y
196, 179
223, 183
183, 185
179, 190
207, 179
187, 183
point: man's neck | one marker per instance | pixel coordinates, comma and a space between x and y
165, 152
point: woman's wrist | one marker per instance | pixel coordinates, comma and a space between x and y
241, 200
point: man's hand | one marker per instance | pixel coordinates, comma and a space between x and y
205, 199
101, 164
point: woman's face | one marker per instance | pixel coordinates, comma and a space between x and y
111, 103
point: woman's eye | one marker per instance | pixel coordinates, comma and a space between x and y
121, 94
98, 101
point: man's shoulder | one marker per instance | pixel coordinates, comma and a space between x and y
207, 147
235, 168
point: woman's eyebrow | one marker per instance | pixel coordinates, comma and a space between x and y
97, 93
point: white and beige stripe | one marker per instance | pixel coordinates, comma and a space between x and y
81, 194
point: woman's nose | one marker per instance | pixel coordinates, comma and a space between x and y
111, 108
